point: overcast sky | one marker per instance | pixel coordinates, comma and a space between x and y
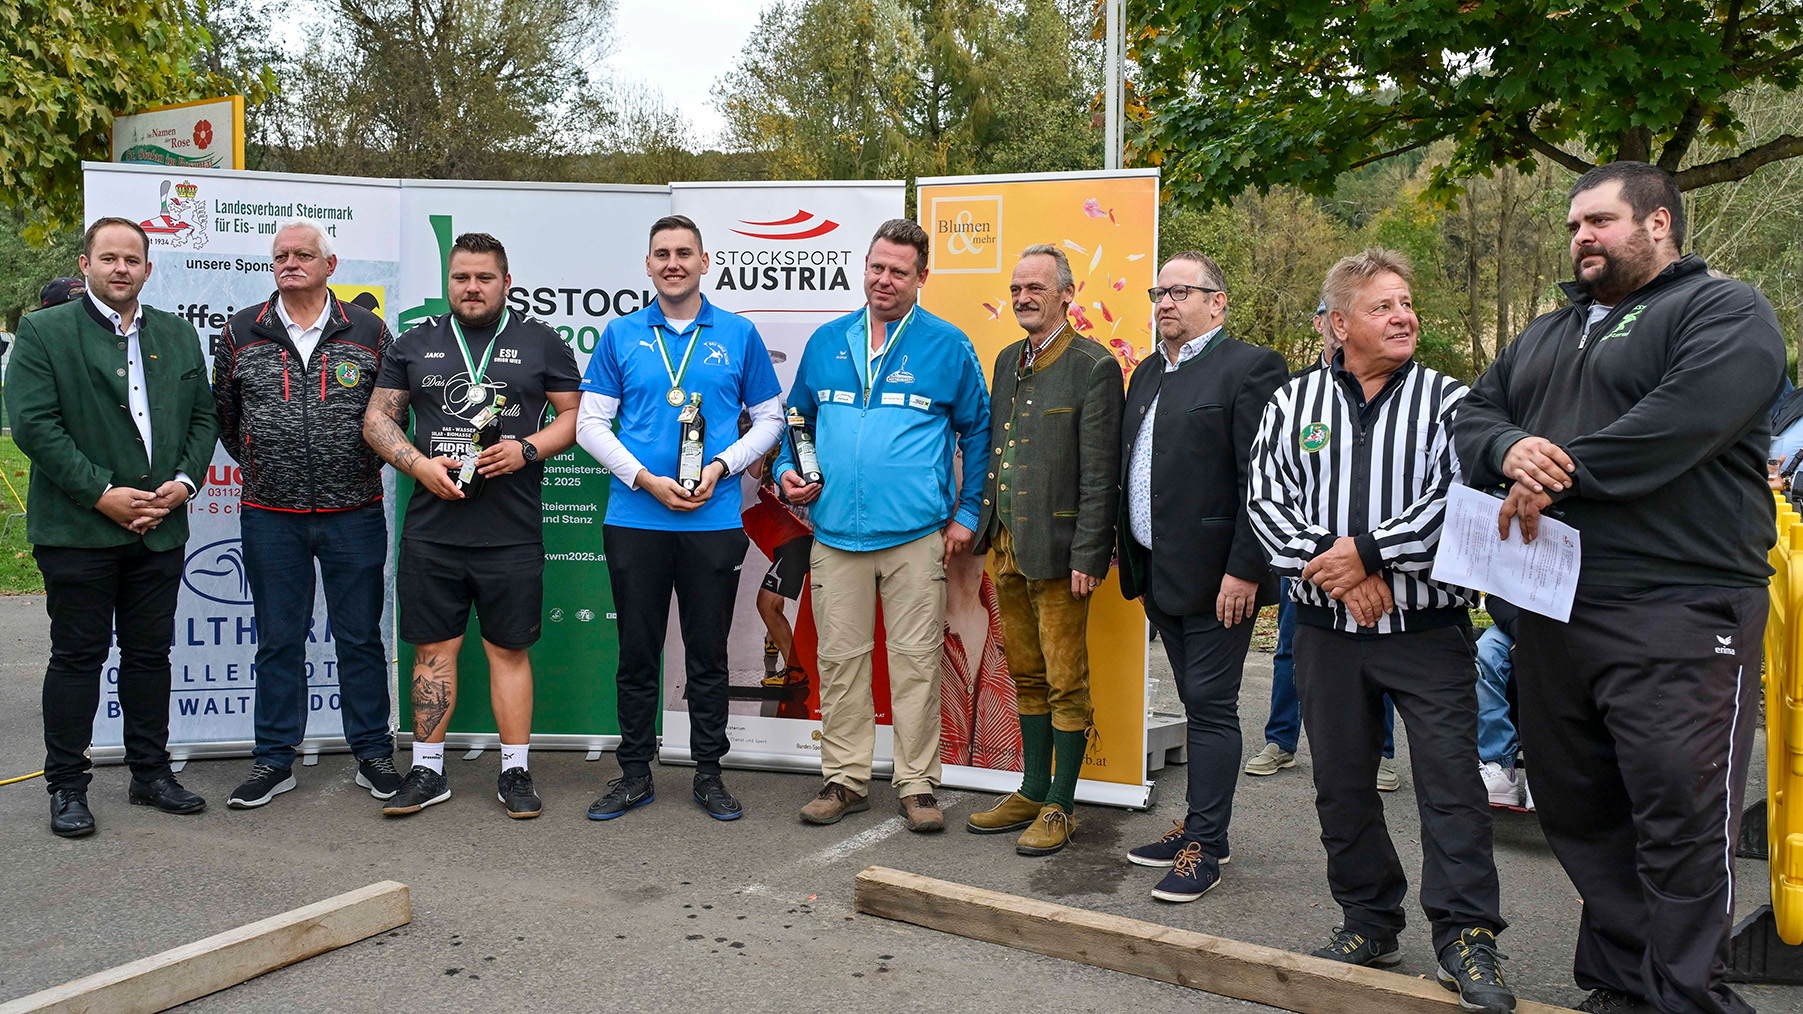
681, 48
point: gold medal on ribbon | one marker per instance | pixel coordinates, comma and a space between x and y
676, 397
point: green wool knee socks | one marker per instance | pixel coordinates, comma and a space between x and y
1068, 749
1036, 760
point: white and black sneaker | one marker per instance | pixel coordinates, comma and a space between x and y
265, 783
377, 774
514, 790
421, 788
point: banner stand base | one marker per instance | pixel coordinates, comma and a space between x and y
183, 752
1094, 793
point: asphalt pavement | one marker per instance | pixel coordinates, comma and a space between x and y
666, 909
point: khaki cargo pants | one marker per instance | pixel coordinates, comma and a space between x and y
910, 581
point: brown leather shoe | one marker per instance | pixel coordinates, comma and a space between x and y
1050, 833
833, 802
923, 812
1014, 813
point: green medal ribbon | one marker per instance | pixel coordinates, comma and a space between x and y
677, 396
478, 393
870, 357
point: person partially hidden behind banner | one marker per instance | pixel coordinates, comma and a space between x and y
487, 548
661, 536
889, 391
1349, 480
1049, 503
292, 377
110, 402
1643, 410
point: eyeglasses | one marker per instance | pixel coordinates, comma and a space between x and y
1179, 293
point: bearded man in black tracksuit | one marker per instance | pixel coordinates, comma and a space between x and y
1641, 410
292, 378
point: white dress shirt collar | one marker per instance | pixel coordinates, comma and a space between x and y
116, 317
1190, 349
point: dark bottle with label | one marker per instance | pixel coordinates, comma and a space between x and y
694, 431
488, 434
801, 445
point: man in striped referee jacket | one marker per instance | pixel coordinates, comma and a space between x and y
1349, 477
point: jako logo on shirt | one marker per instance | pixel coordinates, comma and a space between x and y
1724, 645
1315, 436
433, 355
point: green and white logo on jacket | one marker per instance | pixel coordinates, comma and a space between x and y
1624, 325
1315, 436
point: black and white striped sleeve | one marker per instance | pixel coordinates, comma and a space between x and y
1407, 541
1275, 496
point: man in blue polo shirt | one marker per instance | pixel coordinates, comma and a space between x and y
893, 392
659, 536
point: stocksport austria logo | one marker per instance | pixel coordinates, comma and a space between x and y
1315, 436
181, 218
801, 225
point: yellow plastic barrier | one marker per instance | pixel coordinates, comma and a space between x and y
1784, 724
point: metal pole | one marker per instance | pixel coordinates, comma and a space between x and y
1112, 85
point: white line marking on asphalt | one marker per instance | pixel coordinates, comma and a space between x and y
865, 839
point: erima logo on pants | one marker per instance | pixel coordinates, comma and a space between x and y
1724, 645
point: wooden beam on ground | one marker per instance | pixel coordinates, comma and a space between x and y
191, 971
1266, 975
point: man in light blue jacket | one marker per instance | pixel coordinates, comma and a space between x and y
891, 392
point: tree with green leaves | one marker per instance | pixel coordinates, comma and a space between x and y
862, 89
1241, 92
67, 67
446, 89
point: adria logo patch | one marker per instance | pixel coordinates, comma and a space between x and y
801, 225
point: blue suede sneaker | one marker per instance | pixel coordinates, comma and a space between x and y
1162, 853
1193, 874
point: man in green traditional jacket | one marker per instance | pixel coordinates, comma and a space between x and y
110, 401
1049, 507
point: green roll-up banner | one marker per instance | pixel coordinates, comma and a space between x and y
564, 277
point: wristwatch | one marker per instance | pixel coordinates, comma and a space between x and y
528, 449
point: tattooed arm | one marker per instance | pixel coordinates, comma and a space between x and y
382, 423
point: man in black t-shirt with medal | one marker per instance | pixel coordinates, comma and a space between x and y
452, 372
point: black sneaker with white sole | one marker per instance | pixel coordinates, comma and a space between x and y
265, 783
1354, 948
377, 774
421, 788
1471, 966
514, 790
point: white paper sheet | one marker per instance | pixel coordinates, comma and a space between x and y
1541, 576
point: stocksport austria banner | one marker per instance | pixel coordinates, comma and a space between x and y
576, 254
1107, 225
210, 236
790, 257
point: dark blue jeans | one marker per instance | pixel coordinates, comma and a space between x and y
280, 548
1284, 727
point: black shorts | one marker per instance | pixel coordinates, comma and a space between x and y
789, 570
437, 583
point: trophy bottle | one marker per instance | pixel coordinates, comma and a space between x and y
801, 444
488, 433
694, 430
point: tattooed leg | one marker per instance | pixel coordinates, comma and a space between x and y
434, 689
